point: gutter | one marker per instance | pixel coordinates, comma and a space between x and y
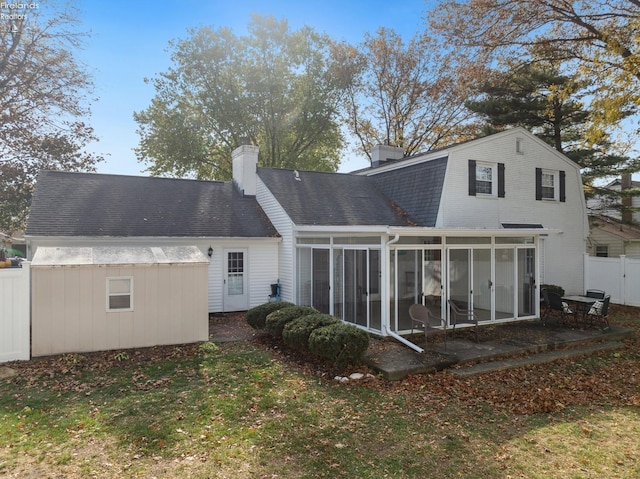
387, 331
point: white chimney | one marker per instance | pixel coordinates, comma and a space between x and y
245, 166
382, 153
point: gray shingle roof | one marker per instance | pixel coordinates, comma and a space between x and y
416, 189
331, 199
89, 204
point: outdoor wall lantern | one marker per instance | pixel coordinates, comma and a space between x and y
210, 251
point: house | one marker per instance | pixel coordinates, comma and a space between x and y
482, 223
610, 237
614, 221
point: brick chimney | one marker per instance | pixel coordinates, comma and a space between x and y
383, 153
625, 184
245, 165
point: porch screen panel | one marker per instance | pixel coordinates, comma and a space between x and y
320, 292
526, 282
304, 277
338, 283
482, 283
505, 283
409, 276
375, 290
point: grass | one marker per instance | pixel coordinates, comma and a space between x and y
239, 411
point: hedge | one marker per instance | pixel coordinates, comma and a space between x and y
256, 317
277, 320
296, 333
339, 343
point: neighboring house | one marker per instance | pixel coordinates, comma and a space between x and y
601, 205
482, 223
612, 238
614, 230
92, 210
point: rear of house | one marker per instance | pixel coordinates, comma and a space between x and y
482, 223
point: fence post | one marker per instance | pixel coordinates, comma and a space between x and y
623, 276
585, 271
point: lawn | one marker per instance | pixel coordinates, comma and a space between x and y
247, 410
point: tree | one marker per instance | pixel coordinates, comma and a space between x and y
404, 95
277, 89
42, 94
549, 104
597, 38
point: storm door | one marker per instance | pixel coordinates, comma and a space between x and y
235, 294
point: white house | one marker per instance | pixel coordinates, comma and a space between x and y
483, 223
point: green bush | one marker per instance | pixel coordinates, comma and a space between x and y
296, 333
276, 321
339, 343
257, 316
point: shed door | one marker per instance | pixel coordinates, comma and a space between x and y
236, 294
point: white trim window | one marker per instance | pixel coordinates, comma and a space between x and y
549, 183
485, 175
486, 179
120, 294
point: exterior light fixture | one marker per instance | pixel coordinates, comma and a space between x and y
210, 251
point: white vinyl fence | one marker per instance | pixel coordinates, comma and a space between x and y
619, 277
15, 313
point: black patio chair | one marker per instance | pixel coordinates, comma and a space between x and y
463, 316
595, 293
425, 319
554, 306
599, 313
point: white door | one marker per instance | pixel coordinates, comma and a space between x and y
236, 294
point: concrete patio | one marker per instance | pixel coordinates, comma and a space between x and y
500, 346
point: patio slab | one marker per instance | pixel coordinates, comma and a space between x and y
500, 347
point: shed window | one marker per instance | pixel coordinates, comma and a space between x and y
602, 251
120, 294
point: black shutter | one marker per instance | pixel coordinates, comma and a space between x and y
500, 180
538, 183
472, 177
563, 194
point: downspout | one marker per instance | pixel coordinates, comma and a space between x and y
388, 331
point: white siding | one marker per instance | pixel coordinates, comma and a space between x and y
563, 250
284, 225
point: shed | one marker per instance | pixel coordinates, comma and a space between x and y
103, 298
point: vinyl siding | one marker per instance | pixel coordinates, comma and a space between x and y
284, 226
563, 250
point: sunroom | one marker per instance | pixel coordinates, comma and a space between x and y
370, 279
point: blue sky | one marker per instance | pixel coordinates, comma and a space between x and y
129, 39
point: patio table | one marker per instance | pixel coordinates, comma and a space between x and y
582, 304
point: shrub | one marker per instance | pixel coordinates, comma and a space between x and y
277, 320
296, 333
339, 343
257, 316
552, 288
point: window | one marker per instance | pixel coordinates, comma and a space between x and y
602, 251
550, 185
120, 294
486, 179
235, 273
